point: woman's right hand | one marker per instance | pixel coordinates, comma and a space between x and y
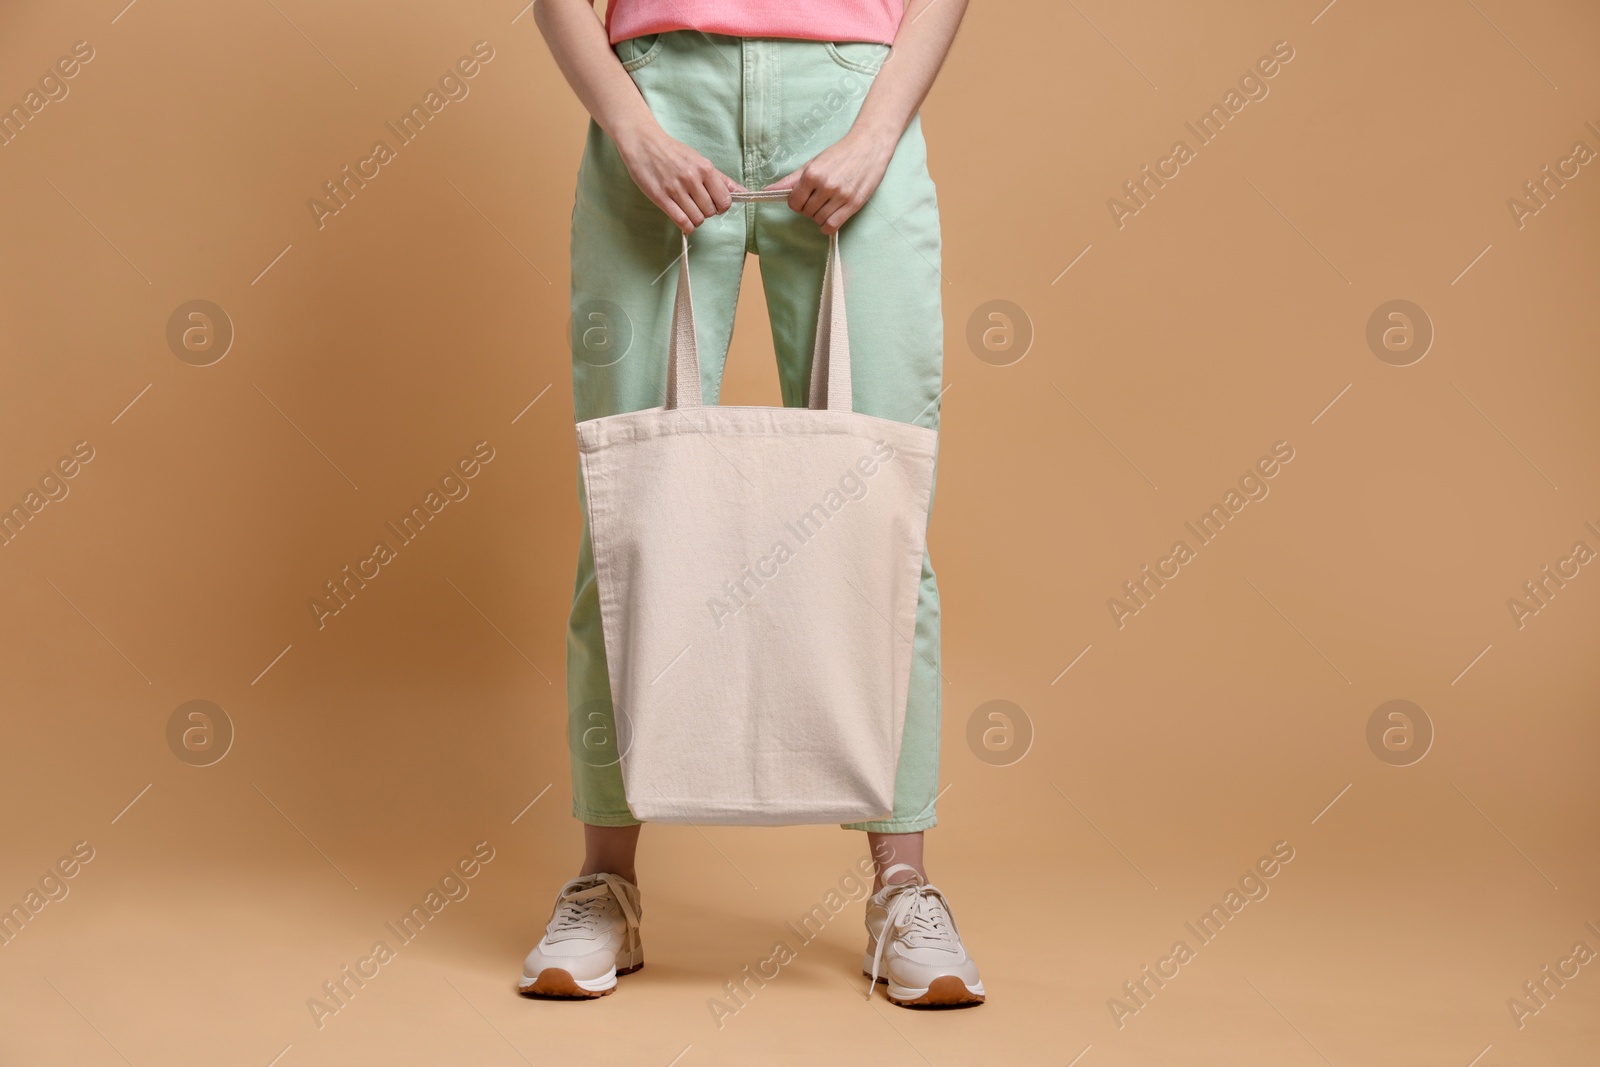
676, 178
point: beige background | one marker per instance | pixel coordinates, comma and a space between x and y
429, 314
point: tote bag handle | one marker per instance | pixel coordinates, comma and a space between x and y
830, 361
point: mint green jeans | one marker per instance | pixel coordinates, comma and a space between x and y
758, 108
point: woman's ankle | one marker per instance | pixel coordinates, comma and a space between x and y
610, 850
627, 874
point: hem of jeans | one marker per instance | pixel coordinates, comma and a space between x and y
597, 818
893, 826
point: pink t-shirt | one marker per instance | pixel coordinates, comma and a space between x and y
813, 20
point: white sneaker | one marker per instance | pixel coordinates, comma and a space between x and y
592, 936
913, 946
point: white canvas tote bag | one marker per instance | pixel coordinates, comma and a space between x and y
758, 572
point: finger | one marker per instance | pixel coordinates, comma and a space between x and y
703, 198
814, 205
788, 181
805, 192
831, 197
719, 187
824, 204
838, 219
733, 185
679, 219
690, 210
663, 200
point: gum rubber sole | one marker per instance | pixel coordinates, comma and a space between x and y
557, 983
943, 992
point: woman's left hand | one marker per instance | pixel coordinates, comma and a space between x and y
837, 183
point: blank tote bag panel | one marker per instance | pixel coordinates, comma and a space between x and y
758, 574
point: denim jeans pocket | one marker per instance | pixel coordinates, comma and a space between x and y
864, 57
635, 52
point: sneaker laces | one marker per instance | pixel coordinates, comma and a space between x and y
918, 914
582, 904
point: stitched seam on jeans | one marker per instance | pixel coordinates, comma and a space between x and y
638, 61
584, 814
599, 521
722, 367
850, 64
909, 827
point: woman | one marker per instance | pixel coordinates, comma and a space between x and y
691, 100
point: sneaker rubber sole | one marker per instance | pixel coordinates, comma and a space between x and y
943, 992
558, 983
